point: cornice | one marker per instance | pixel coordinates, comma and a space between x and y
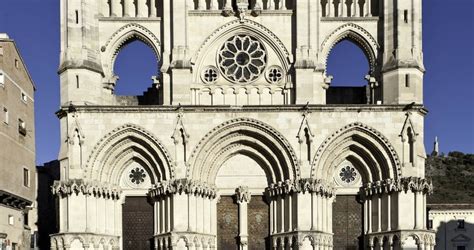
88, 188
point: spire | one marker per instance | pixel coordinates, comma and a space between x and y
436, 147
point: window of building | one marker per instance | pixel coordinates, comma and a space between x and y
25, 218
21, 127
11, 220
460, 224
24, 97
26, 177
1, 51
430, 224
6, 115
17, 63
461, 248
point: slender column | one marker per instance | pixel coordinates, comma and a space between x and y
389, 212
271, 4
259, 4
201, 4
162, 215
142, 8
369, 216
275, 215
329, 6
214, 4
128, 8
243, 198
116, 8
341, 8
290, 213
354, 8
329, 209
324, 217
379, 213
368, 8
228, 4
314, 210
152, 8
272, 216
104, 8
320, 212
282, 5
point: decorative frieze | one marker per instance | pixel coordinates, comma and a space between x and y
180, 186
414, 184
79, 186
307, 185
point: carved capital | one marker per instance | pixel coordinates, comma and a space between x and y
243, 194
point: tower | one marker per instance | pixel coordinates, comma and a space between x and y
245, 138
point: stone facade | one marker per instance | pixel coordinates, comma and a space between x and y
17, 154
238, 111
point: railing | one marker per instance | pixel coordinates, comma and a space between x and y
231, 4
346, 8
128, 8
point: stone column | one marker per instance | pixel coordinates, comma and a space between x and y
368, 8
116, 8
243, 198
214, 4
152, 8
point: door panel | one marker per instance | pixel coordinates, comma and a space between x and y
347, 223
227, 223
137, 219
258, 224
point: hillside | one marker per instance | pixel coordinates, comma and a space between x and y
453, 178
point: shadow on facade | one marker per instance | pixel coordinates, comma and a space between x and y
47, 206
454, 235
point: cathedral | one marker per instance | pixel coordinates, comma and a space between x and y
241, 141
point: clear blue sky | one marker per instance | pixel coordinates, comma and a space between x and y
448, 52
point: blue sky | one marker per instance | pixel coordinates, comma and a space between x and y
448, 52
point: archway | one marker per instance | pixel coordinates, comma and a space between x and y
349, 70
135, 66
243, 157
131, 159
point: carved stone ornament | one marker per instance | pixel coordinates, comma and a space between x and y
79, 186
243, 194
180, 186
414, 184
310, 185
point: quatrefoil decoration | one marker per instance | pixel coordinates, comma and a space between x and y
274, 75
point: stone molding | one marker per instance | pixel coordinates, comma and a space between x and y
414, 184
64, 241
422, 237
180, 186
88, 188
307, 185
295, 239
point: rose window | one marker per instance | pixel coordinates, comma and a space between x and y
210, 75
137, 176
348, 174
242, 59
274, 74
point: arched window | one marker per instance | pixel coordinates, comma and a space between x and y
137, 69
347, 70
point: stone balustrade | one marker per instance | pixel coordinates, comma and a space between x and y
231, 4
346, 8
128, 8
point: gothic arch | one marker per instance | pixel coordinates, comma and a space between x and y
356, 34
247, 27
367, 148
246, 136
126, 34
126, 144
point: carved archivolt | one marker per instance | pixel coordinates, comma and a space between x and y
118, 147
247, 27
89, 188
377, 157
248, 135
124, 35
357, 34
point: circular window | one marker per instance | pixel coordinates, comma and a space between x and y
242, 59
348, 174
274, 75
137, 175
210, 74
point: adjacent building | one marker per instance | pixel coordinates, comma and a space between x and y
17, 147
454, 226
